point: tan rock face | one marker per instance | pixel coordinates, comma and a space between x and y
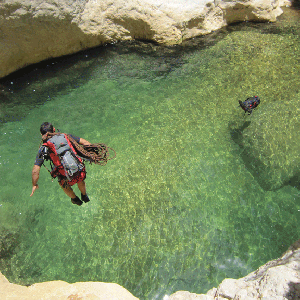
278, 279
60, 290
35, 30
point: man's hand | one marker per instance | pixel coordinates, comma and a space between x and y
34, 188
84, 142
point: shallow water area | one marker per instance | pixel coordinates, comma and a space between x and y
177, 209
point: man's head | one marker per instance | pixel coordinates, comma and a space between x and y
46, 127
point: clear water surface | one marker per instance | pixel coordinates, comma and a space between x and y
177, 209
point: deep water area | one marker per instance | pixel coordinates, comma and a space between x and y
178, 208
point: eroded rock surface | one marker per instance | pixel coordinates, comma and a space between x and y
32, 31
278, 279
60, 290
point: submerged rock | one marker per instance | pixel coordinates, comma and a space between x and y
32, 31
271, 145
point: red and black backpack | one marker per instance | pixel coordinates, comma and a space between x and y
64, 157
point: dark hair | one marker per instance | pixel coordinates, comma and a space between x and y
46, 127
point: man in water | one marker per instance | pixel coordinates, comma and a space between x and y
47, 130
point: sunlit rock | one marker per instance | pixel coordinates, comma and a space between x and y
32, 31
54, 290
278, 279
183, 295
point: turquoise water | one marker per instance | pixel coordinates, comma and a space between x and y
178, 209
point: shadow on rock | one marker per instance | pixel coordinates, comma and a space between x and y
296, 4
294, 292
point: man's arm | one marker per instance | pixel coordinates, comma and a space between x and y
84, 142
35, 177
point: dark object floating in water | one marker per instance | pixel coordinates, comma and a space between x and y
249, 104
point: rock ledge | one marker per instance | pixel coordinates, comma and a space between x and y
60, 290
278, 279
36, 30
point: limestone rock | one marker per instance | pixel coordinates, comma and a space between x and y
35, 30
60, 290
183, 295
278, 279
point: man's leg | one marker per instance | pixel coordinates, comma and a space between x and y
69, 192
82, 188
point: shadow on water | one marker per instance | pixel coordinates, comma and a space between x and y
236, 133
12, 236
9, 240
36, 84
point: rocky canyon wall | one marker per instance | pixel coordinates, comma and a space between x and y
36, 30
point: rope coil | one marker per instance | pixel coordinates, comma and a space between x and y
94, 153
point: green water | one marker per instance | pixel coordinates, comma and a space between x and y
177, 209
